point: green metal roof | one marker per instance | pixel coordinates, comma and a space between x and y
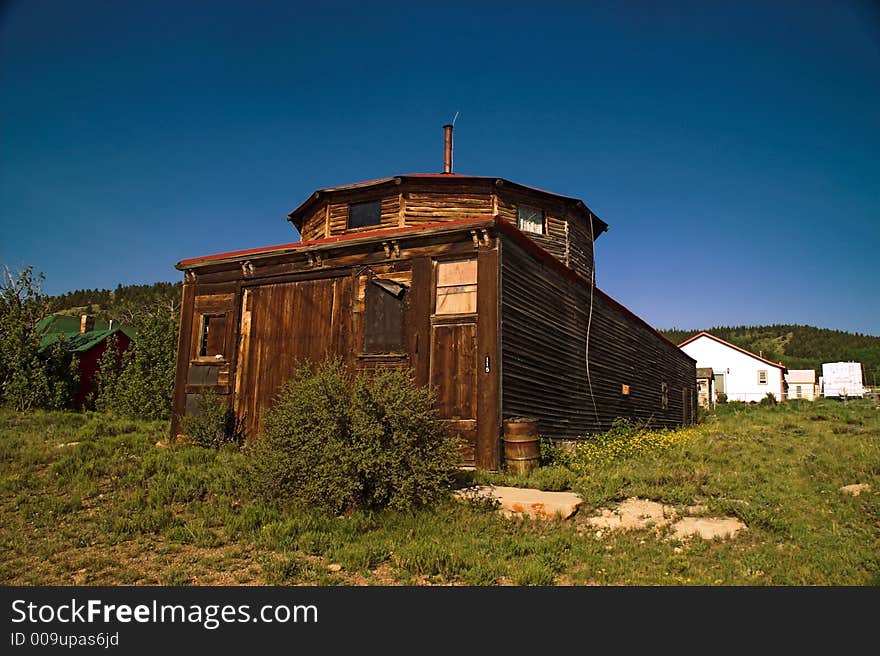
53, 328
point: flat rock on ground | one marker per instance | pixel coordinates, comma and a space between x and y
633, 513
856, 488
640, 514
525, 501
707, 527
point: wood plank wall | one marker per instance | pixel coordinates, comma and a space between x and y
567, 232
580, 246
431, 207
567, 237
338, 214
544, 320
315, 224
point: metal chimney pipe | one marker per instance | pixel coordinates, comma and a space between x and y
447, 148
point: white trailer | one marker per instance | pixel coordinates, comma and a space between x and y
842, 380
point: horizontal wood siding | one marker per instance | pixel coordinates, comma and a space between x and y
338, 218
314, 224
427, 207
567, 234
580, 246
544, 320
390, 213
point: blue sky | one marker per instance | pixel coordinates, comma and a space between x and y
734, 148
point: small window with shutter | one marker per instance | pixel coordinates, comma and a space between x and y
762, 376
384, 314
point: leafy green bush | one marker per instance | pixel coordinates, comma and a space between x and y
213, 424
342, 441
769, 399
141, 383
721, 397
29, 378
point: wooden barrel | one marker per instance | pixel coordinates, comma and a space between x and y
522, 447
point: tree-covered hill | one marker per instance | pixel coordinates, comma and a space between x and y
120, 304
799, 347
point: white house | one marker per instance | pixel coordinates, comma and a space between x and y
740, 375
842, 379
802, 384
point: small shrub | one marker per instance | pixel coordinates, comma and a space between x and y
341, 441
534, 572
769, 399
285, 570
214, 424
721, 397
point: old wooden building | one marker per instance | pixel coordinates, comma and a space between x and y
481, 286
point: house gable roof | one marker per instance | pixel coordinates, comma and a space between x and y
58, 327
778, 365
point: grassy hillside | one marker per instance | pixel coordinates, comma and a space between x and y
799, 347
90, 499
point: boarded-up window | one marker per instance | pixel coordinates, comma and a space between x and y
530, 219
213, 338
383, 316
664, 396
364, 214
762, 376
456, 287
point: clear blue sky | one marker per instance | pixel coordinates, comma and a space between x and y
733, 147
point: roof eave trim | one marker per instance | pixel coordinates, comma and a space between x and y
328, 243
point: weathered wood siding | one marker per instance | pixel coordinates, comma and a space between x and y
338, 213
316, 223
280, 311
288, 324
544, 318
567, 235
580, 246
195, 373
431, 207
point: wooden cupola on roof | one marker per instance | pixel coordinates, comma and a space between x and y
564, 226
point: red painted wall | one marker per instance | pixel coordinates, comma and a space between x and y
88, 365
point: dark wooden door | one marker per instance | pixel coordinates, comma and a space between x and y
282, 325
454, 379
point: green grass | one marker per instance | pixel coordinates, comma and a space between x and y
110, 507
